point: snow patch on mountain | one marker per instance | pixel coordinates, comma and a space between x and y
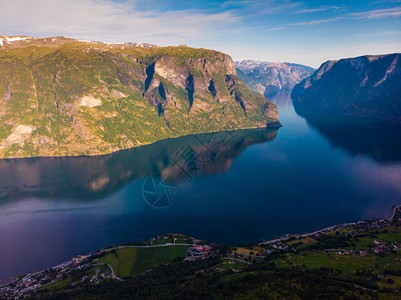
16, 38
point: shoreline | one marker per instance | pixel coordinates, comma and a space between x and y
332, 228
273, 125
8, 281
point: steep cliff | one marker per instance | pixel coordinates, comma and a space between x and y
366, 86
61, 96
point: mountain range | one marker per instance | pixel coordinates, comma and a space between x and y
367, 86
60, 96
269, 78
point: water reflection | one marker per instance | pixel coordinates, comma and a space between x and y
358, 136
282, 99
297, 183
95, 177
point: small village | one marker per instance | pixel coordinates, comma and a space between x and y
27, 284
198, 252
281, 245
30, 282
197, 249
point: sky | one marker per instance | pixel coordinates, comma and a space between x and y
299, 31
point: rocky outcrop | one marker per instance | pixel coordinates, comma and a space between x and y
7, 95
20, 134
269, 78
195, 75
366, 86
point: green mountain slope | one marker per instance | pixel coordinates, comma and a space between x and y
61, 96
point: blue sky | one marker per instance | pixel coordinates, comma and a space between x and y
304, 31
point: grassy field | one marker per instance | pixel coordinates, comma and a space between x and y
307, 240
227, 265
390, 235
333, 261
390, 282
163, 241
128, 262
59, 284
389, 262
248, 251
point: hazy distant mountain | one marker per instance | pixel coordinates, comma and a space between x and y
61, 96
365, 86
268, 78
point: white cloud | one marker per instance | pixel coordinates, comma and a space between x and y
316, 22
381, 33
378, 14
275, 29
372, 14
262, 7
108, 21
319, 9
307, 23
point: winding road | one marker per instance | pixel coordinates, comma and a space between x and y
112, 271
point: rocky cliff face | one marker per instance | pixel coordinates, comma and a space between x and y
61, 96
366, 86
269, 78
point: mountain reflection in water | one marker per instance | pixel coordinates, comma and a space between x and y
230, 188
95, 177
358, 136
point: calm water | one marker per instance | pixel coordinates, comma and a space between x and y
230, 188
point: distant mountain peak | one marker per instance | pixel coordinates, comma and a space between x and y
21, 40
268, 78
